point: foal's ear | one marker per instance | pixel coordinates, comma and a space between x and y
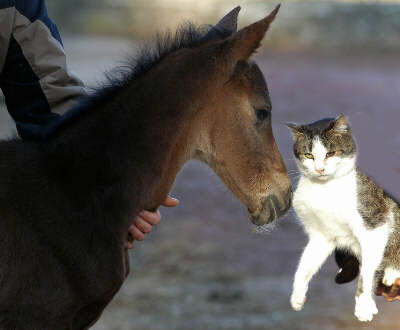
247, 40
225, 27
295, 129
228, 23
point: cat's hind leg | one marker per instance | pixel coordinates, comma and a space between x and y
361, 305
391, 264
314, 255
373, 243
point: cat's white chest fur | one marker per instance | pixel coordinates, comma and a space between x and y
330, 208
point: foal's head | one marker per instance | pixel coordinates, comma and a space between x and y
209, 101
236, 137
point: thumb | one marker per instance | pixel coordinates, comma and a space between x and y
170, 202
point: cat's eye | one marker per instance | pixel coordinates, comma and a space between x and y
309, 156
330, 154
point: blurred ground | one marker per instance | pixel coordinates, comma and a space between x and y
203, 267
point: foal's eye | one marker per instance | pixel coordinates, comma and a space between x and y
263, 114
330, 154
309, 156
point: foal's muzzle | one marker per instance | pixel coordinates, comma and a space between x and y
272, 209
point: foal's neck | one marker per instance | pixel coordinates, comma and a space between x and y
130, 150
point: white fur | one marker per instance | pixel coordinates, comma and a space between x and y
390, 276
365, 308
327, 206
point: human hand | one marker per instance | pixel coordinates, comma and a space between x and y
349, 268
390, 293
144, 223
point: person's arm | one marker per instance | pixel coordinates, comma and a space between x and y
33, 65
145, 221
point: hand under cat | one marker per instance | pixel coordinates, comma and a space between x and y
349, 271
390, 293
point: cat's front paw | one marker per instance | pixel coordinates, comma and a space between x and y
391, 275
297, 300
365, 308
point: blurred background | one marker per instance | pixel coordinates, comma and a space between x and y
328, 25
204, 267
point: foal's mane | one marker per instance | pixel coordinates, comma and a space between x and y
187, 35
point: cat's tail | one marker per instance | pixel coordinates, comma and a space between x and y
349, 267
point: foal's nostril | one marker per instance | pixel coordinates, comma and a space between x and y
281, 208
275, 208
288, 201
272, 208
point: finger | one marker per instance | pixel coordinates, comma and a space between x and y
143, 225
130, 232
396, 287
170, 202
129, 239
153, 218
386, 296
394, 290
137, 234
128, 245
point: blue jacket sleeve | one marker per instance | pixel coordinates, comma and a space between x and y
34, 77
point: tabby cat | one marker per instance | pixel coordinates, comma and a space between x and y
342, 208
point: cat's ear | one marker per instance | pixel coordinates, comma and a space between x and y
295, 129
341, 125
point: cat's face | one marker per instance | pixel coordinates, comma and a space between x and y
324, 149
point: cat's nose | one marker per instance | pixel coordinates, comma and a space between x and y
320, 170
